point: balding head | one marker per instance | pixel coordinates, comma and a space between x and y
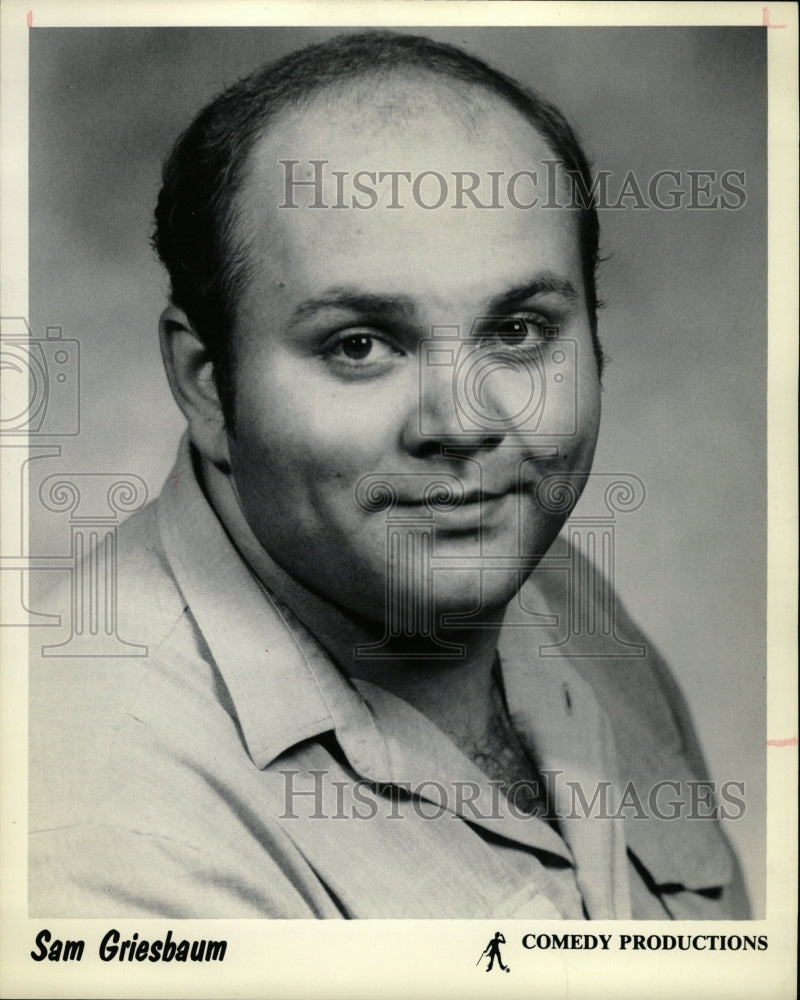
197, 233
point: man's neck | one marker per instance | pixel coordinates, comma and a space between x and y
453, 693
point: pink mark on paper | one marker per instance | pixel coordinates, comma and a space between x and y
765, 20
791, 742
30, 19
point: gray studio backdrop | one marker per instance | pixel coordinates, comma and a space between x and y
684, 322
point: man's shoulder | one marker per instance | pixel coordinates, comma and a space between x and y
127, 659
119, 595
137, 769
585, 621
654, 737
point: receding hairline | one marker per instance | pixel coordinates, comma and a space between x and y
412, 89
462, 100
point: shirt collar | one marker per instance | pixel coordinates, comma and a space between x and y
277, 675
419, 756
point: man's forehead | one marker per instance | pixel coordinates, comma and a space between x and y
336, 149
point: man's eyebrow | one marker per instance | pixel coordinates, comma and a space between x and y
358, 301
354, 300
538, 285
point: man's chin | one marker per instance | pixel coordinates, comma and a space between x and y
474, 597
457, 599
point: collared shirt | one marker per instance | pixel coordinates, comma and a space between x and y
235, 771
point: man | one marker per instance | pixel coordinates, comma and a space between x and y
492, 949
383, 335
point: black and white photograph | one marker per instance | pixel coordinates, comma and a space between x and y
392, 448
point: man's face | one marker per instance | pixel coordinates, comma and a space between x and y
338, 378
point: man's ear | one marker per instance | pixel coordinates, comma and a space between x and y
191, 378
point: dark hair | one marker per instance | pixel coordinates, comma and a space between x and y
195, 216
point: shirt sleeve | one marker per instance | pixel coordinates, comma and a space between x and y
97, 871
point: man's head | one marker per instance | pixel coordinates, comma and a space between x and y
312, 329
196, 233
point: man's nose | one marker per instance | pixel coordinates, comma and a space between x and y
439, 416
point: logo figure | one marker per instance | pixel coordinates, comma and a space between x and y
492, 950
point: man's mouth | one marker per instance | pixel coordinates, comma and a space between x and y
484, 496
467, 513
449, 501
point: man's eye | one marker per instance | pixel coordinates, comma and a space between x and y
358, 348
514, 331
